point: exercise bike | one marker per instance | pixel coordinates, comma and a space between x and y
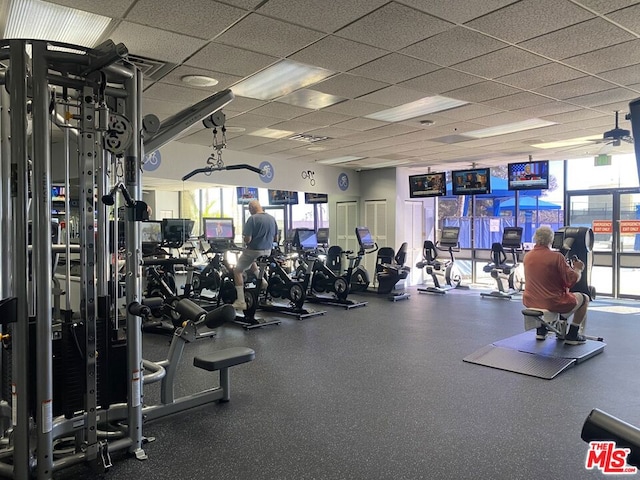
504, 269
445, 275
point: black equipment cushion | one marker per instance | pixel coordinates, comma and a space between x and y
225, 358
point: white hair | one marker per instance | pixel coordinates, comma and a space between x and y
543, 236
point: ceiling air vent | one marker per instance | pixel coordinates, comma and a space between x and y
152, 69
305, 137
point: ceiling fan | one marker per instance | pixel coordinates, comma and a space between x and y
617, 135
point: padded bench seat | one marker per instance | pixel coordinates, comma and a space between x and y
221, 361
225, 358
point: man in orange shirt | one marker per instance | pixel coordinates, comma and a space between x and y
548, 280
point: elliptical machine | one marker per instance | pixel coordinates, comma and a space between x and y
440, 271
504, 269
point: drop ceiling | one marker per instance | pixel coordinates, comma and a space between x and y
573, 63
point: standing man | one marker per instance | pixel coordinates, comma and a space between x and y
259, 233
548, 279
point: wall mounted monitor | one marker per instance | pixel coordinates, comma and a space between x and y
246, 194
312, 198
634, 114
364, 238
283, 197
427, 185
476, 181
58, 193
216, 229
528, 175
176, 231
151, 232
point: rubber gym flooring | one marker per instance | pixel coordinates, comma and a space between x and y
381, 392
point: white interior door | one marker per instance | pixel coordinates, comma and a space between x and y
413, 233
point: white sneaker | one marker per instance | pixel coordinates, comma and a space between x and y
264, 284
238, 305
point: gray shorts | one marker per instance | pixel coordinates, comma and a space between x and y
248, 257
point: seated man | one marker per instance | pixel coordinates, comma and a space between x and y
549, 278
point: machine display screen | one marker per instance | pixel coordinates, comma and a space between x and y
151, 232
364, 237
176, 230
218, 228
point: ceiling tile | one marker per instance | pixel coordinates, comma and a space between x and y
224, 80
628, 18
480, 92
392, 96
606, 6
457, 12
394, 68
349, 86
609, 58
332, 132
294, 126
582, 114
623, 76
550, 108
540, 76
577, 39
354, 108
156, 44
530, 18
453, 46
189, 17
602, 98
324, 118
360, 124
408, 26
246, 4
519, 100
250, 120
471, 111
337, 54
243, 104
309, 13
280, 110
574, 88
500, 119
249, 33
162, 91
502, 62
441, 81
235, 61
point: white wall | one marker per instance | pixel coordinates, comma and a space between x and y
178, 159
380, 184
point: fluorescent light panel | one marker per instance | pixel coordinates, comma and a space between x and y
280, 79
570, 142
336, 160
509, 128
271, 133
39, 20
424, 106
308, 98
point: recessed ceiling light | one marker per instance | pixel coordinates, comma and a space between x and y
424, 106
199, 80
46, 21
336, 160
509, 128
271, 133
280, 79
235, 129
570, 142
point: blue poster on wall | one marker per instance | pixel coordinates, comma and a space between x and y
152, 161
267, 172
343, 181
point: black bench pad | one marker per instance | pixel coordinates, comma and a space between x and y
225, 358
